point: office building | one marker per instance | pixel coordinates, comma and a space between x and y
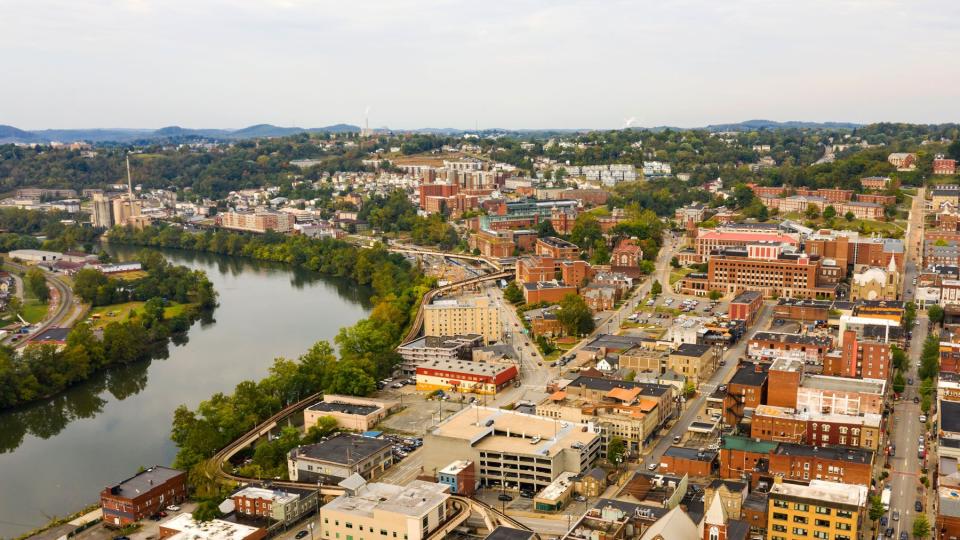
387, 511
339, 456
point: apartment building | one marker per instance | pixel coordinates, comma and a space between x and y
388, 511
473, 315
259, 221
514, 449
600, 389
745, 307
840, 395
338, 457
858, 358
746, 390
819, 510
535, 269
782, 424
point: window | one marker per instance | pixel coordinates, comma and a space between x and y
800, 519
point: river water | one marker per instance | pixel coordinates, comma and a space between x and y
56, 455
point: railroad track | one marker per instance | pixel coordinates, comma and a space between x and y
417, 324
64, 306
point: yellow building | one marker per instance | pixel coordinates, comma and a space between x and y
876, 283
693, 361
827, 510
475, 315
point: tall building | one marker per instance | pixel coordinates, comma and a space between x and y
101, 215
259, 221
819, 510
476, 315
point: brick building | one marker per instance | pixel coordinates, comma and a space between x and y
768, 269
535, 269
550, 292
804, 463
802, 309
746, 306
744, 458
678, 460
142, 495
557, 248
746, 390
708, 240
942, 165
576, 272
465, 376
859, 358
626, 257
783, 382
806, 348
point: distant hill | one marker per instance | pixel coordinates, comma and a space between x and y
751, 125
10, 134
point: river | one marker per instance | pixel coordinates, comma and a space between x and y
56, 455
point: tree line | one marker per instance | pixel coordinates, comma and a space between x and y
40, 371
366, 349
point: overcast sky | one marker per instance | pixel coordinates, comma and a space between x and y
510, 64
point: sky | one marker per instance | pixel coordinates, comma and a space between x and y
514, 64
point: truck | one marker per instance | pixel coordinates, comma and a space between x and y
885, 498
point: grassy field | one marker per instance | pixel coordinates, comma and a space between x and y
885, 228
130, 276
678, 274
121, 312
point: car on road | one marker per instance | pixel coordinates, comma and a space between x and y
173, 508
918, 506
889, 532
723, 362
526, 494
301, 534
904, 535
883, 522
396, 385
923, 419
676, 438
910, 381
504, 497
896, 515
653, 467
916, 399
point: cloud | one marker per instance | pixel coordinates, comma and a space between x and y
522, 63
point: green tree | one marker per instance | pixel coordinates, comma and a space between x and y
350, 380
689, 389
812, 211
930, 357
849, 216
545, 228
935, 314
674, 262
656, 288
630, 376
206, 511
586, 231
877, 509
36, 282
829, 212
575, 316
513, 294
715, 295
616, 449
899, 358
14, 305
921, 527
899, 383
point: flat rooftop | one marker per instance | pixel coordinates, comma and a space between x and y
786, 364
509, 533
145, 481
794, 339
252, 492
558, 487
217, 529
468, 367
819, 490
836, 453
414, 500
606, 385
342, 448
843, 384
691, 454
749, 375
344, 408
691, 349
456, 467
493, 429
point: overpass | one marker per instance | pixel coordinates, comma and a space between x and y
417, 250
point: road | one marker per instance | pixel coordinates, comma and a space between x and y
906, 429
62, 304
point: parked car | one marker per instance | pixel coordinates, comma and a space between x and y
676, 438
653, 467
173, 508
526, 494
301, 534
889, 532
504, 497
918, 505
896, 515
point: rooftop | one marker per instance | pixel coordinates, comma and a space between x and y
843, 384
252, 492
456, 467
836, 453
217, 529
345, 408
558, 487
949, 416
509, 533
747, 375
822, 491
691, 349
509, 431
342, 448
145, 481
746, 297
692, 454
747, 444
553, 241
786, 364
606, 385
414, 500
467, 366
794, 339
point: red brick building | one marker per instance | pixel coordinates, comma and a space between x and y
803, 463
575, 272
783, 382
679, 460
883, 200
942, 165
802, 309
551, 246
142, 495
535, 269
550, 292
746, 390
745, 458
806, 348
859, 359
745, 307
768, 269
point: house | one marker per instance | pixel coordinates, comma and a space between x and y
600, 297
942, 165
592, 483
